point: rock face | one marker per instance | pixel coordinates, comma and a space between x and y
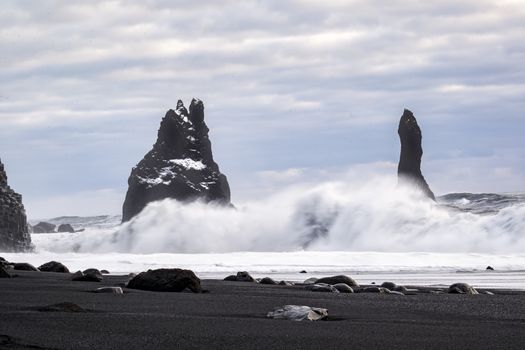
14, 235
180, 165
409, 169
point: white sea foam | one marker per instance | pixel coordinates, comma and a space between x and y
371, 216
336, 227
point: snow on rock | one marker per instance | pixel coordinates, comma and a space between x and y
189, 163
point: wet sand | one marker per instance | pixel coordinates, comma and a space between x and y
233, 316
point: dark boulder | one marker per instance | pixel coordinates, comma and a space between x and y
24, 267
66, 228
166, 280
286, 283
92, 271
267, 280
14, 234
180, 165
241, 276
338, 279
489, 268
409, 168
80, 276
53, 266
343, 288
104, 272
44, 227
389, 285
462, 288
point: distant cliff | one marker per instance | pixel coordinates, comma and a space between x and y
14, 234
180, 165
409, 169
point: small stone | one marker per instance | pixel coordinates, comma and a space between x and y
489, 268
104, 272
298, 313
62, 307
110, 290
303, 271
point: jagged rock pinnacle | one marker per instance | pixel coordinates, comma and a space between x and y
180, 165
14, 234
409, 169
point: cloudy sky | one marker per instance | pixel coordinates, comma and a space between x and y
299, 90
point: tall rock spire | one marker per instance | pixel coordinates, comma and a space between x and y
409, 169
14, 235
180, 165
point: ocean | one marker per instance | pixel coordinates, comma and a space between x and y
374, 231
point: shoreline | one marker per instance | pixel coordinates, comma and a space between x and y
233, 315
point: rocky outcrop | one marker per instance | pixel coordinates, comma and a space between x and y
44, 227
409, 169
14, 235
180, 165
65, 228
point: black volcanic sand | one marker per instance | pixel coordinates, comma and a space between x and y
233, 316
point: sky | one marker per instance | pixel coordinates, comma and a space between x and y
297, 90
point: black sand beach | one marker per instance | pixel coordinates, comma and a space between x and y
233, 316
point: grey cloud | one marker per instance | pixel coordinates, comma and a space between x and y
294, 84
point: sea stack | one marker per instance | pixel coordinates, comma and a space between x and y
180, 165
409, 169
14, 235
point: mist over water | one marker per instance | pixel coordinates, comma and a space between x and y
373, 215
